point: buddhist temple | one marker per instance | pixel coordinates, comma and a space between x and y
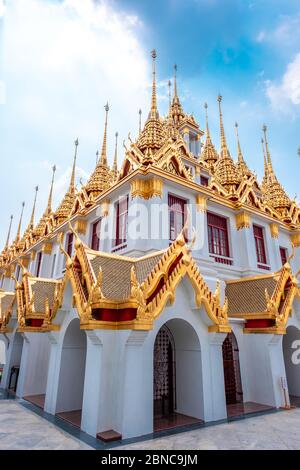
161, 292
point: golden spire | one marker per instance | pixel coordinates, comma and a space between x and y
226, 171
64, 209
72, 182
103, 157
169, 86
140, 121
97, 156
224, 148
265, 159
209, 153
100, 180
17, 239
49, 205
153, 112
115, 164
241, 164
175, 81
31, 222
273, 191
177, 112
8, 234
153, 135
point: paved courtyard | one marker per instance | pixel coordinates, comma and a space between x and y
21, 428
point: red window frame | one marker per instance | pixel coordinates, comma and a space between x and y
177, 215
283, 254
38, 263
121, 221
218, 243
204, 180
95, 238
259, 239
69, 243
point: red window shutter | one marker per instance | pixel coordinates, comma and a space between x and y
176, 215
203, 180
69, 244
39, 262
259, 244
121, 220
283, 254
218, 243
95, 241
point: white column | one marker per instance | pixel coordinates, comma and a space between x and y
213, 378
53, 372
137, 393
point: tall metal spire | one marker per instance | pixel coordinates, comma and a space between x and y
17, 239
223, 138
103, 158
269, 161
115, 164
206, 121
265, 158
175, 81
72, 181
240, 155
140, 120
49, 205
8, 233
170, 99
31, 222
153, 112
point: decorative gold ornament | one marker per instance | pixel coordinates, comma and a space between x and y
295, 239
201, 203
146, 188
105, 205
47, 248
274, 230
80, 226
242, 220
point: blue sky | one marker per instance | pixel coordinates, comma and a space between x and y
60, 61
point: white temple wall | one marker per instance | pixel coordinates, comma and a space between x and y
34, 364
291, 351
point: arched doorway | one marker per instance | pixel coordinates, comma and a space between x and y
15, 362
72, 374
164, 380
177, 376
232, 374
291, 354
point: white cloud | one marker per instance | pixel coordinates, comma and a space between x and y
62, 61
2, 8
261, 36
285, 96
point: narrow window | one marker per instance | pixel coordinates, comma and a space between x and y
38, 263
217, 235
176, 216
283, 254
53, 265
69, 243
121, 221
203, 180
95, 239
259, 244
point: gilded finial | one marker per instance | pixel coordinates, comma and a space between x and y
20, 223
223, 139
72, 182
97, 156
175, 81
8, 233
140, 120
115, 165
169, 87
206, 120
31, 223
49, 205
154, 112
265, 158
240, 155
298, 151
264, 128
103, 158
